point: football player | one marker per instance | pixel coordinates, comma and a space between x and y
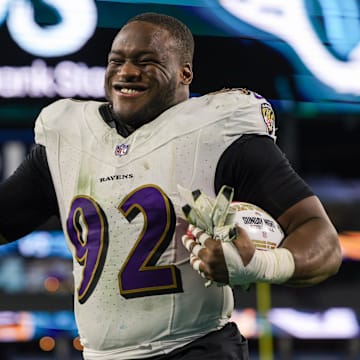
111, 172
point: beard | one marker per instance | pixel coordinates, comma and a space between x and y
132, 120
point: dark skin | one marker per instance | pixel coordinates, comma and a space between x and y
310, 237
144, 77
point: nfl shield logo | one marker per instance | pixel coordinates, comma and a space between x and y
121, 149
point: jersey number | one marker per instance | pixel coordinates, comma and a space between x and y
87, 229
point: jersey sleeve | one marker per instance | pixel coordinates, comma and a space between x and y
28, 197
261, 174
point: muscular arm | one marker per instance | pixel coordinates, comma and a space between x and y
312, 240
261, 174
27, 197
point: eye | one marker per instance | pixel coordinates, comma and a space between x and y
115, 61
147, 61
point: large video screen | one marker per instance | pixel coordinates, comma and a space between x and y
302, 54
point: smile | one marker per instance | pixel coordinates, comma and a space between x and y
128, 90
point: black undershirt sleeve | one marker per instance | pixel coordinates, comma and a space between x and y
27, 197
253, 165
260, 174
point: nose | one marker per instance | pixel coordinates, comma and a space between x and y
128, 71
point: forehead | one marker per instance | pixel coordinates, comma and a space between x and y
142, 35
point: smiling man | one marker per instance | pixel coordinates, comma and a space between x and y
149, 70
111, 172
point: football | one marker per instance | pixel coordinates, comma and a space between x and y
261, 227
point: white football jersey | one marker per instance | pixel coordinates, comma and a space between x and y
136, 294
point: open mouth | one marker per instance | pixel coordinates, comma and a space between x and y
129, 90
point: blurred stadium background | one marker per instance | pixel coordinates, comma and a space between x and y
303, 55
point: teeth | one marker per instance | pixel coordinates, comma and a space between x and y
129, 91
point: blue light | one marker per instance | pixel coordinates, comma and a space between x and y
39, 244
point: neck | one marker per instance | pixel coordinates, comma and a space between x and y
106, 113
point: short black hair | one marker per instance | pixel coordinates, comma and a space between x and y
179, 31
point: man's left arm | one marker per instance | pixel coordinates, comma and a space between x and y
309, 253
312, 240
260, 174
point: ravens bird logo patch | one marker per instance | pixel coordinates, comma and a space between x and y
269, 117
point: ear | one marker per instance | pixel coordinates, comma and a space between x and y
186, 74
